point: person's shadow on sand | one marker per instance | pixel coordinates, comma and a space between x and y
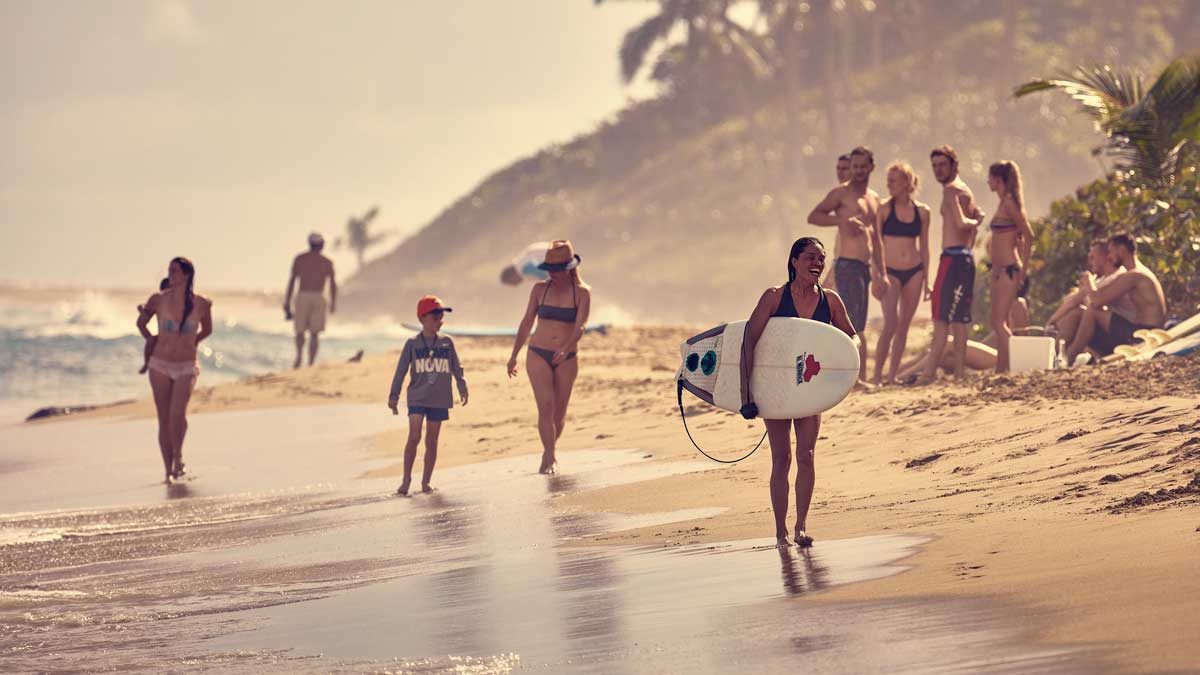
801, 571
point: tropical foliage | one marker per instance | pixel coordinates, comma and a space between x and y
1153, 132
1165, 221
690, 191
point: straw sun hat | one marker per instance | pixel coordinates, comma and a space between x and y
560, 257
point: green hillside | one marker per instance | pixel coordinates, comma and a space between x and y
686, 217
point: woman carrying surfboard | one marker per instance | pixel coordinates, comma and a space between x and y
560, 306
801, 297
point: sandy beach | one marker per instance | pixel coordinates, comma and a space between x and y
1060, 504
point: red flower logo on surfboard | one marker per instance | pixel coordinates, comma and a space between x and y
811, 367
807, 367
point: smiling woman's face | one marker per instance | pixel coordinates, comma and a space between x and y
809, 264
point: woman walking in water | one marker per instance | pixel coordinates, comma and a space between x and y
801, 297
184, 319
560, 306
1009, 250
904, 224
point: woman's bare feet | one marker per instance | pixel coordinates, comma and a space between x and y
403, 489
549, 466
782, 541
427, 488
802, 539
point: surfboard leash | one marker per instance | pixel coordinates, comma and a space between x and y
683, 416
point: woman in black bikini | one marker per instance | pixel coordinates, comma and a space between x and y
904, 224
803, 297
184, 320
560, 306
1011, 244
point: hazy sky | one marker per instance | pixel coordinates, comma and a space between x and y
225, 130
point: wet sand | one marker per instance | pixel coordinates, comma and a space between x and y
311, 570
1013, 525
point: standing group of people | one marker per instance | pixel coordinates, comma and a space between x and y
883, 249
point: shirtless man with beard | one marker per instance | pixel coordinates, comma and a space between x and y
851, 207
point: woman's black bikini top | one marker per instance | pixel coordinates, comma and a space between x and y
552, 313
894, 227
788, 308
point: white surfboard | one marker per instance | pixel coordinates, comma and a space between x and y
1169, 341
801, 367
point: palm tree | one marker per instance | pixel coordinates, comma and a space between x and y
358, 235
708, 31
1153, 133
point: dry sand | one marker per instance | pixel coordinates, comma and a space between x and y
1073, 495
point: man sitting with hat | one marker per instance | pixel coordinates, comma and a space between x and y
312, 269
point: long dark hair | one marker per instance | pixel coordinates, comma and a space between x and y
190, 270
798, 248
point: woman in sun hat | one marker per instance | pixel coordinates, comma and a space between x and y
560, 307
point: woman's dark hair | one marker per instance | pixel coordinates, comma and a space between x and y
190, 270
798, 248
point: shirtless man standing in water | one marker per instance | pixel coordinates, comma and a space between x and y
851, 208
312, 269
955, 285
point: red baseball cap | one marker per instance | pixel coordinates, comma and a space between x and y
431, 303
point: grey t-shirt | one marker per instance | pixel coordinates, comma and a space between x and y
432, 363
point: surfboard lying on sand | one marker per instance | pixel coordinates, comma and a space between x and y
1182, 346
601, 328
1157, 341
801, 367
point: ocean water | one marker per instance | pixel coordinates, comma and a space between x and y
83, 348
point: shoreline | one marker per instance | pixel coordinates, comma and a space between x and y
1029, 500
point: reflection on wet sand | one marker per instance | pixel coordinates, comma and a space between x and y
345, 577
802, 572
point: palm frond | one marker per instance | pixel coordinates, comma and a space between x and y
637, 43
1175, 97
1100, 91
749, 48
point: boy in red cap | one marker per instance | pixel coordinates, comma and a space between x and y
433, 361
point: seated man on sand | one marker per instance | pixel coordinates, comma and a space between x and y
1065, 321
1102, 326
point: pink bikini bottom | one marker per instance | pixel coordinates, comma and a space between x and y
175, 369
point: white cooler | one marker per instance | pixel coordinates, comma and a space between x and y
1030, 352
